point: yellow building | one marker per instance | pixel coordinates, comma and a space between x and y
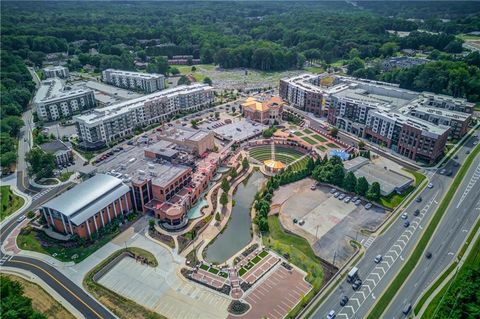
267, 112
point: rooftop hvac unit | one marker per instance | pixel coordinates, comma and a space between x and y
140, 172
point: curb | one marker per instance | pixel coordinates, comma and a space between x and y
27, 201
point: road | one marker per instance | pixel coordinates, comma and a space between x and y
397, 242
78, 298
446, 242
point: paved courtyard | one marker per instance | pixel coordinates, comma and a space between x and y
329, 222
276, 294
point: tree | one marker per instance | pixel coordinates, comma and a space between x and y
151, 224
388, 48
354, 65
174, 71
159, 65
194, 68
350, 182
361, 145
362, 186
194, 124
217, 217
245, 164
224, 199
334, 132
225, 186
374, 191
233, 173
207, 80
41, 163
183, 80
14, 304
338, 174
262, 223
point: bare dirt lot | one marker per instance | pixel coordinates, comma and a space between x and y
330, 223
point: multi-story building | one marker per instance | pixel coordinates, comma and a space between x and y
53, 102
146, 82
89, 206
56, 71
190, 140
118, 120
385, 113
265, 112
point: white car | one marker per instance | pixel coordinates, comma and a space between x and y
430, 185
378, 259
331, 314
404, 216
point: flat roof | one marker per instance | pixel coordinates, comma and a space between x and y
87, 198
389, 180
239, 131
150, 76
112, 90
53, 89
55, 146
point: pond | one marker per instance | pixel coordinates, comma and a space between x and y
236, 235
196, 210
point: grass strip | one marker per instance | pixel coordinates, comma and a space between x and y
394, 287
10, 202
309, 140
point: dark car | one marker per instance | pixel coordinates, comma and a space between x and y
416, 212
419, 199
357, 284
344, 301
406, 224
449, 173
456, 164
428, 255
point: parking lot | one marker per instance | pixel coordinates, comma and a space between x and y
328, 223
279, 292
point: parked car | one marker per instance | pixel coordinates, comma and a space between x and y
406, 224
343, 301
404, 216
313, 187
467, 152
331, 314
301, 222
449, 173
368, 206
347, 200
342, 196
419, 199
443, 171
407, 309
456, 164
336, 194
358, 202
378, 259
332, 191
355, 198
430, 185
295, 220
455, 157
428, 255
416, 212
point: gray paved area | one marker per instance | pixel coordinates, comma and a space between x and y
330, 223
161, 290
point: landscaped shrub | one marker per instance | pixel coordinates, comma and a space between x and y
237, 307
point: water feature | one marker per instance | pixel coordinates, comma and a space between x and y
196, 210
237, 232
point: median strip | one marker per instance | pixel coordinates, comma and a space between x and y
396, 284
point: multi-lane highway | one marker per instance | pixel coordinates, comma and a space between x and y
446, 242
397, 242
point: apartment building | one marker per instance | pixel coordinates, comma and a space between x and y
53, 101
414, 124
145, 82
56, 71
118, 120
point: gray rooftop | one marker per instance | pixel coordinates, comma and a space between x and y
53, 89
87, 198
55, 146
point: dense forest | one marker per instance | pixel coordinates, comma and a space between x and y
267, 36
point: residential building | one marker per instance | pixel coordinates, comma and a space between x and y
265, 112
89, 206
61, 150
145, 82
116, 121
414, 124
195, 141
56, 71
53, 101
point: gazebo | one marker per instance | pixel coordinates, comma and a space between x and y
273, 166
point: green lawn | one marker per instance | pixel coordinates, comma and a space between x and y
314, 69
213, 270
10, 202
256, 259
28, 239
309, 140
388, 295
332, 145
204, 267
393, 200
319, 138
263, 254
477, 107
321, 148
298, 133
308, 131
65, 176
242, 272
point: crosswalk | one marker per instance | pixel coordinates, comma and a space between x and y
38, 195
369, 241
4, 259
